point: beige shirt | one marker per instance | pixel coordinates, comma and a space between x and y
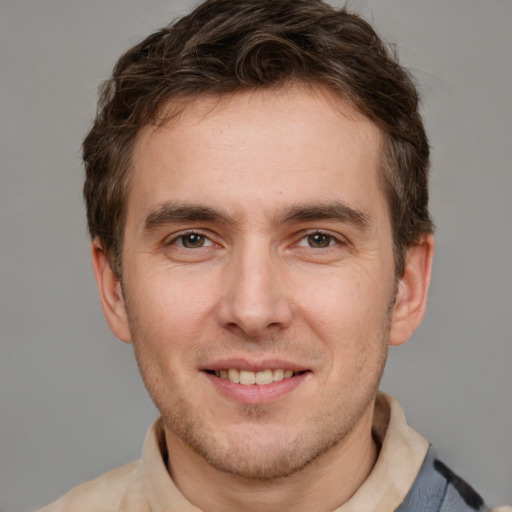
146, 486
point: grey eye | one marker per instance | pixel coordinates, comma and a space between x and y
193, 240
319, 240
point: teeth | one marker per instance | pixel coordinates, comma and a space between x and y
264, 377
234, 375
278, 375
248, 378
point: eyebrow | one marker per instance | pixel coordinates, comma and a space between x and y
171, 212
168, 213
335, 210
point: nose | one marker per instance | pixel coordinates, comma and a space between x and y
254, 300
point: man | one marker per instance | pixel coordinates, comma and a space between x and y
257, 198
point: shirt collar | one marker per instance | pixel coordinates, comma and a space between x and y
402, 451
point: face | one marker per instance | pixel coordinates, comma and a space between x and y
258, 277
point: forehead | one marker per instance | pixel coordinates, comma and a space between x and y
258, 149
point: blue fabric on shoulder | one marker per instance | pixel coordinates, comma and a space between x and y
438, 489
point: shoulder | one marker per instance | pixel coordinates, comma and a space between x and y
459, 495
438, 489
119, 489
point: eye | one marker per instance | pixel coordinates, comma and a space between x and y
318, 240
192, 241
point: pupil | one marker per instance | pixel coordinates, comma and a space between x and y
193, 240
319, 240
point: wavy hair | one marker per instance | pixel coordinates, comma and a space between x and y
225, 46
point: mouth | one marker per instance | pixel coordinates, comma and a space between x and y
255, 383
251, 378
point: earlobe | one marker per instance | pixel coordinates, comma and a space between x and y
110, 292
412, 291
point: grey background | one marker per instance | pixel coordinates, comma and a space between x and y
71, 402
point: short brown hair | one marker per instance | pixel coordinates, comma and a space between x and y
225, 46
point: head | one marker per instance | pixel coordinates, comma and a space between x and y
225, 47
256, 190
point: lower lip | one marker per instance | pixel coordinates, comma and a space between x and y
255, 394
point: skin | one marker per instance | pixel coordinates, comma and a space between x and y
257, 236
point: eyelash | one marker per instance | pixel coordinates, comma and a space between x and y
182, 236
332, 240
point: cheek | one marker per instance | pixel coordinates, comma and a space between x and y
347, 312
172, 321
166, 311
173, 294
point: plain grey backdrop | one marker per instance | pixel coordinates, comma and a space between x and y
72, 404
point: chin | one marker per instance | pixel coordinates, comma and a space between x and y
259, 459
258, 451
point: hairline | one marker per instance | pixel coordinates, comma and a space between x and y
170, 109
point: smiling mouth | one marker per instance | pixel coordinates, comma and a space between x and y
249, 378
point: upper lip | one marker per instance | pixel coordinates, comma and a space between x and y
254, 366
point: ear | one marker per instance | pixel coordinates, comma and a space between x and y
111, 294
412, 291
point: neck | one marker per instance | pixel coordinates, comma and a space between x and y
323, 485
